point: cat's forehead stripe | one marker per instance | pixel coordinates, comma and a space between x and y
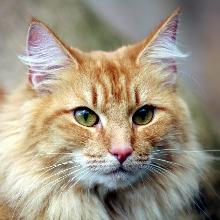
114, 83
94, 96
113, 79
105, 94
102, 90
137, 96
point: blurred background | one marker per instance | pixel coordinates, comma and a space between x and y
104, 24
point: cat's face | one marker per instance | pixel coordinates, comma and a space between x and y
119, 107
108, 118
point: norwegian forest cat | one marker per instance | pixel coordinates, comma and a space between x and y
99, 135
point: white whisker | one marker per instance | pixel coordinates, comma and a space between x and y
54, 183
169, 162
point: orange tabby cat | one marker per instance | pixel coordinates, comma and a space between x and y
99, 135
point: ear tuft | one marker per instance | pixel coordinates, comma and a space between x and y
162, 49
45, 55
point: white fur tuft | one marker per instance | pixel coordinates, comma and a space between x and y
44, 56
163, 49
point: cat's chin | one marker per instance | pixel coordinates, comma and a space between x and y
113, 180
117, 180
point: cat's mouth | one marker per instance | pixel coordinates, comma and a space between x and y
117, 171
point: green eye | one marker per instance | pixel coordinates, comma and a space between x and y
86, 116
143, 115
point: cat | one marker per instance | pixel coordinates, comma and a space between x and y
99, 135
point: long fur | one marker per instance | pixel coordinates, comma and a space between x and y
54, 168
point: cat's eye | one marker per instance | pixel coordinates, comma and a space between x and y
143, 115
86, 116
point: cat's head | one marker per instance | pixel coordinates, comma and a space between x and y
105, 118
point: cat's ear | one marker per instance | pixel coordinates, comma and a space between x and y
45, 56
161, 47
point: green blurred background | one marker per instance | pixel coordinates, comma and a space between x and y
106, 25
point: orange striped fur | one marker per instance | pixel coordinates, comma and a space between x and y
54, 168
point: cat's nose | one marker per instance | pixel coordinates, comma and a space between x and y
121, 152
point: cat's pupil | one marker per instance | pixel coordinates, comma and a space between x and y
85, 115
142, 114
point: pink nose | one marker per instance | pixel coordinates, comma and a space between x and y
121, 153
